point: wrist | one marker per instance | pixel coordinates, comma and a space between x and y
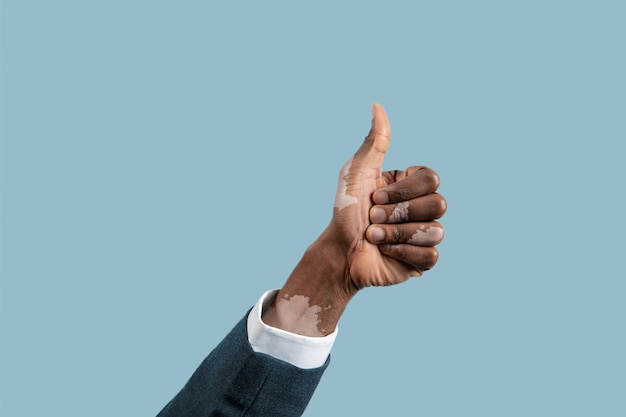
317, 291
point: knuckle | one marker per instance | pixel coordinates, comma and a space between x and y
398, 252
432, 178
431, 257
402, 194
400, 212
398, 235
440, 205
440, 232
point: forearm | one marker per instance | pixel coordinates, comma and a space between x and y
316, 293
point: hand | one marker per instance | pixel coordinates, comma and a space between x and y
383, 231
384, 221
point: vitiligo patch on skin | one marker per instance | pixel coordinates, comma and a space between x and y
342, 198
296, 313
427, 236
400, 212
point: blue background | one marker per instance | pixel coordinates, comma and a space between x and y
164, 163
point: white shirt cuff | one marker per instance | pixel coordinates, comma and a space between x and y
302, 351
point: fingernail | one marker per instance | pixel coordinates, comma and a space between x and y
380, 197
377, 234
378, 215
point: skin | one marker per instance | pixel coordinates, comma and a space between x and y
383, 232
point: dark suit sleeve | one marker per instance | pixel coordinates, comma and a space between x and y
236, 381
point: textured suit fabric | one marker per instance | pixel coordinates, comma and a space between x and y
236, 381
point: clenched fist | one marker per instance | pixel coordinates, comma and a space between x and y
385, 221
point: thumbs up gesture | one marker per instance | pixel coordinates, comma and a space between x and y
383, 231
384, 222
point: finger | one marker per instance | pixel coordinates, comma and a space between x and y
417, 234
428, 207
418, 181
420, 258
372, 152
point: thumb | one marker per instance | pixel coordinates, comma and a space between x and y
372, 152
